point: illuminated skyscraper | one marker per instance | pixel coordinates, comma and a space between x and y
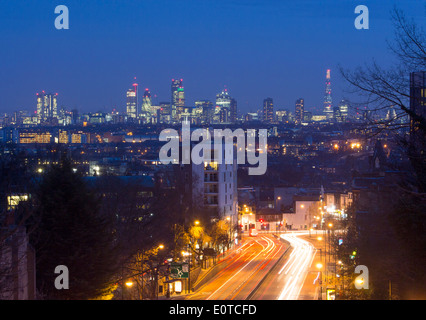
268, 110
328, 110
299, 111
391, 114
146, 101
223, 99
164, 112
224, 104
207, 110
178, 98
132, 102
344, 110
147, 110
47, 106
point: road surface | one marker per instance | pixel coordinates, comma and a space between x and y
286, 280
254, 259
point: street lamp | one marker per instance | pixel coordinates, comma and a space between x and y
228, 219
129, 284
319, 267
160, 247
325, 248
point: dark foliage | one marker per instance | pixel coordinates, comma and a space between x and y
72, 231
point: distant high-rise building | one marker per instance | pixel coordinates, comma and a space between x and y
164, 112
146, 100
178, 97
233, 111
343, 110
207, 110
74, 116
148, 111
337, 115
132, 103
299, 110
223, 115
328, 110
47, 107
268, 110
223, 106
197, 113
307, 116
251, 116
391, 114
281, 115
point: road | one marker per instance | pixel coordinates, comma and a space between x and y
290, 275
251, 263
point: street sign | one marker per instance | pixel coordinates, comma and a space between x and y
179, 270
209, 252
331, 294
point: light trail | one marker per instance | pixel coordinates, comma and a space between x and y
267, 251
235, 274
260, 265
297, 265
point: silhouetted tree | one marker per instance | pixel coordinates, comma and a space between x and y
72, 231
392, 239
382, 89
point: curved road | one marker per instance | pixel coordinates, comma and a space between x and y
251, 263
266, 268
288, 277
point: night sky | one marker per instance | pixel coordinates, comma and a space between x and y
256, 48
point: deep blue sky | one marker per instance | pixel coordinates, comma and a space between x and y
257, 48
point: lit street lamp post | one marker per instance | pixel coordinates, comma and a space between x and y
319, 267
160, 247
228, 219
329, 232
129, 284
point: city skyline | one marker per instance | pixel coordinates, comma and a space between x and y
244, 150
91, 74
135, 107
